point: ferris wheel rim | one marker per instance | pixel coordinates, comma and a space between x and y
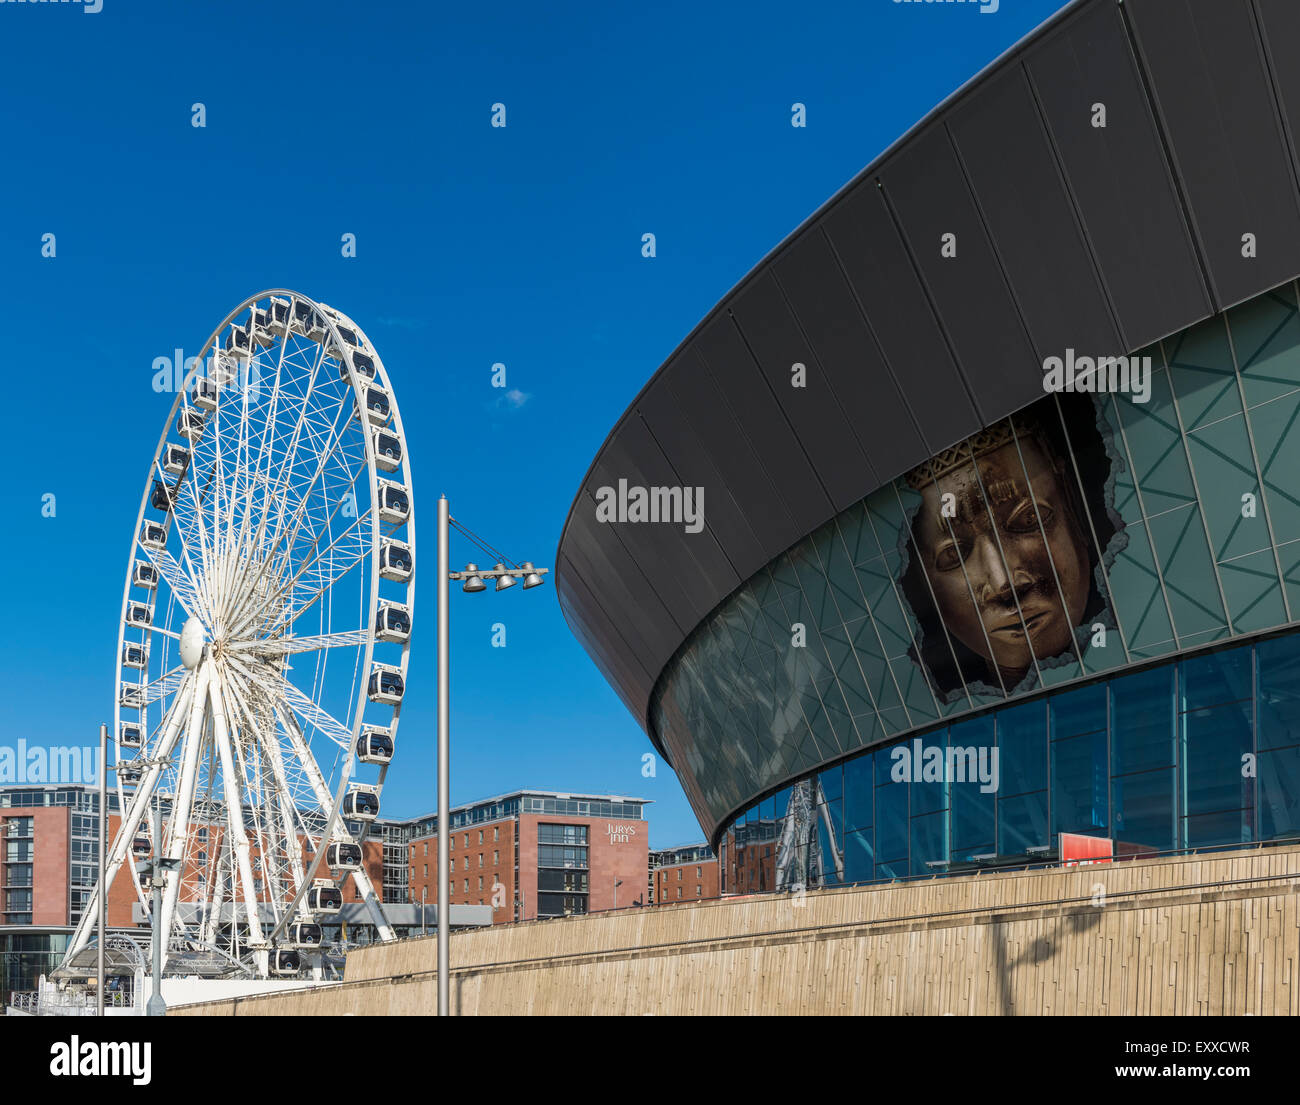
333, 320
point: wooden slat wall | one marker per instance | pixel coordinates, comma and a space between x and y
1204, 934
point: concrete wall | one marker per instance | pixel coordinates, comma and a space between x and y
1192, 935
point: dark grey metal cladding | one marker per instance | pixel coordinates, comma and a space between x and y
839, 338
1214, 95
692, 454
777, 342
1280, 23
1003, 145
926, 188
1118, 175
601, 639
740, 428
766, 466
875, 261
626, 597
687, 571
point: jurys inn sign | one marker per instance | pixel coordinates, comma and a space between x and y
620, 834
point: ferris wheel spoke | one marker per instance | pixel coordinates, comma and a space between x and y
163, 686
235, 811
317, 717
277, 555
288, 645
183, 588
178, 826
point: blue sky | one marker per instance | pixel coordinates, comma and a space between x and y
474, 245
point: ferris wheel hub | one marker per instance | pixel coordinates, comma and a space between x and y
193, 640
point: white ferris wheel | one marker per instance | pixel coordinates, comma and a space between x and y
265, 633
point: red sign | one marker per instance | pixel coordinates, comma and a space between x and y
1078, 850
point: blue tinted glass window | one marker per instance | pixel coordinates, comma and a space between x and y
1079, 711
1022, 823
1022, 748
1144, 811
929, 842
1279, 692
1142, 721
891, 821
974, 772
1279, 793
929, 783
859, 862
1214, 741
832, 780
973, 820
858, 793
1216, 829
1079, 784
830, 841
1216, 677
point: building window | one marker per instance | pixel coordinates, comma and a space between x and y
467, 886
480, 882
426, 874
467, 840
426, 847
480, 859
562, 834
480, 836
699, 872
679, 874
496, 857
496, 832
679, 893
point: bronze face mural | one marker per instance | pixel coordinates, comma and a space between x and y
1087, 534
1000, 555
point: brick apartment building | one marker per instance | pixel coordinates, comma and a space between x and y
685, 874
535, 854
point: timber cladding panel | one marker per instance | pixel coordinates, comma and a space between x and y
1192, 935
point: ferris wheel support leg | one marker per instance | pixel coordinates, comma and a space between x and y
126, 828
235, 813
179, 827
368, 895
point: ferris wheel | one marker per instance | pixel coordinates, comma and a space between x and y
264, 639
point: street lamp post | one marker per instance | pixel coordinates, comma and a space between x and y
103, 824
473, 577
157, 1007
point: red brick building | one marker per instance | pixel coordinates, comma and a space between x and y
685, 874
533, 853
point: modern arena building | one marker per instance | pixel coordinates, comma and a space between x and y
962, 581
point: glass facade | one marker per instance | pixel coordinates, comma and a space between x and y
1202, 752
1094, 531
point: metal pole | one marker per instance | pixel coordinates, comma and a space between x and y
444, 761
99, 892
424, 911
157, 1007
